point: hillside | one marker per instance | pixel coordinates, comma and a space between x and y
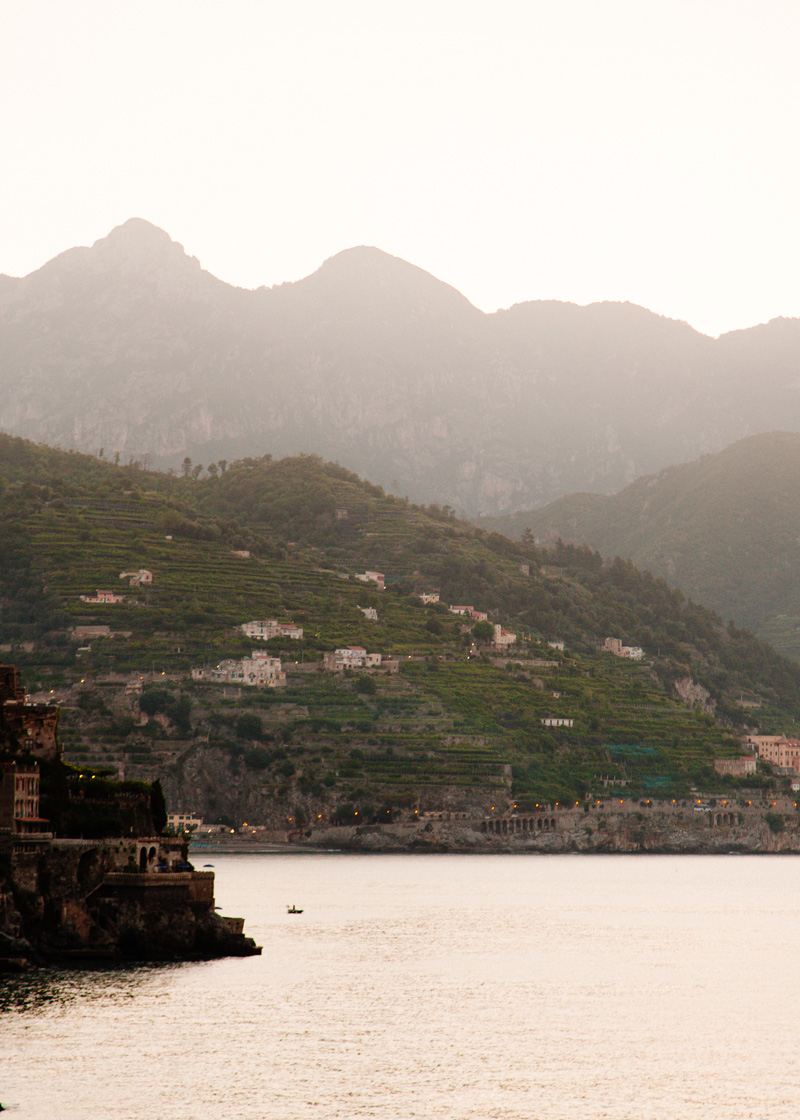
461, 724
131, 347
724, 529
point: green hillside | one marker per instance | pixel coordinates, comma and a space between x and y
725, 529
459, 723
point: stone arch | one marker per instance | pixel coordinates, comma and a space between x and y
143, 858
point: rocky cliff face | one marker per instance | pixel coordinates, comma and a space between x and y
131, 347
67, 900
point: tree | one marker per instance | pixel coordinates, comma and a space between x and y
158, 807
483, 631
197, 471
186, 467
249, 726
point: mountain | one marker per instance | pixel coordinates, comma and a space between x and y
725, 529
131, 347
459, 726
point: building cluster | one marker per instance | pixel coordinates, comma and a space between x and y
780, 752
259, 670
271, 628
615, 646
356, 657
33, 726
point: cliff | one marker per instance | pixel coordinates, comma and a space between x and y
696, 827
73, 900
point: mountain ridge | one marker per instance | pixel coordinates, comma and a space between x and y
724, 528
131, 346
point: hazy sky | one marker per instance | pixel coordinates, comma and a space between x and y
577, 150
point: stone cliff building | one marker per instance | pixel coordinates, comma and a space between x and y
34, 726
19, 800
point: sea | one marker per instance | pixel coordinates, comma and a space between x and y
444, 987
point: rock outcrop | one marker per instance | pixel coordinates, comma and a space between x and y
75, 900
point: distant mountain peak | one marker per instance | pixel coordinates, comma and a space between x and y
366, 272
134, 251
141, 244
136, 231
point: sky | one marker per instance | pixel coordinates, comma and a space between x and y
577, 150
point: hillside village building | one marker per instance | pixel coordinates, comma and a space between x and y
736, 767
257, 671
19, 799
271, 628
183, 822
778, 751
372, 577
429, 597
103, 597
615, 646
142, 578
370, 613
503, 638
356, 657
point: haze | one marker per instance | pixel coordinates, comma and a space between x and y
579, 151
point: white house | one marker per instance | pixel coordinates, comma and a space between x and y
259, 670
558, 722
350, 657
372, 577
271, 628
370, 613
142, 578
428, 597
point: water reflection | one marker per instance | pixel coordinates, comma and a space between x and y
44, 988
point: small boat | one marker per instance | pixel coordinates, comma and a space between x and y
293, 909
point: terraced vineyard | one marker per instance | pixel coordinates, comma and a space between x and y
459, 724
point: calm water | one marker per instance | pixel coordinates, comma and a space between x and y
443, 987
